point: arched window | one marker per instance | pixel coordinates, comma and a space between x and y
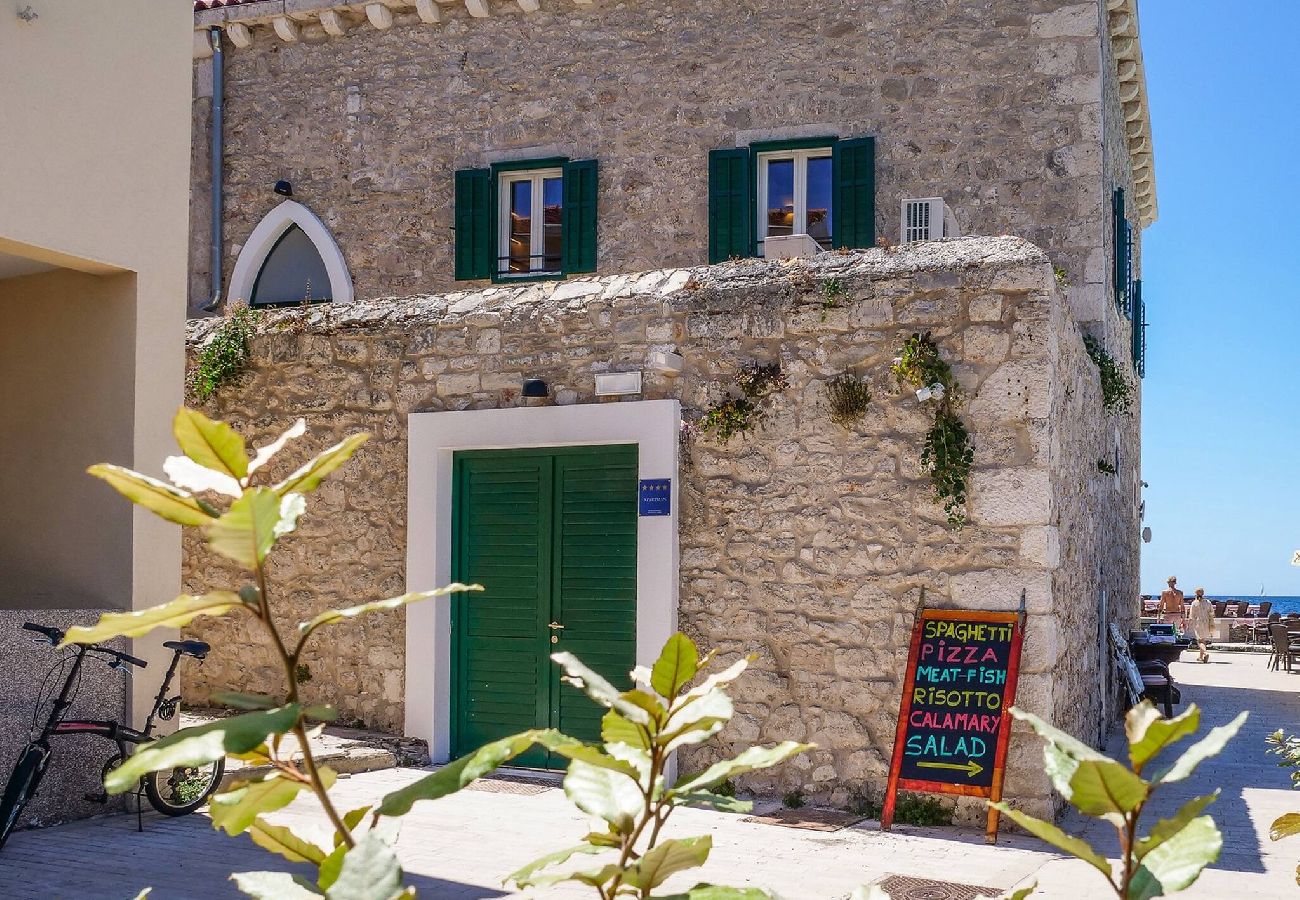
290, 257
293, 272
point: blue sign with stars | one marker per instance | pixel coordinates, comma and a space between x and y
656, 496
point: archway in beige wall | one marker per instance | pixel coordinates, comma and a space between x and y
291, 221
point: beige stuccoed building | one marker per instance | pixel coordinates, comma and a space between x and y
94, 150
487, 207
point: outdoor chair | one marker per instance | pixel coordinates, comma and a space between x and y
1220, 608
1148, 680
1265, 609
1284, 651
1243, 609
1259, 631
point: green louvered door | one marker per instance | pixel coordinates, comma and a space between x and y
551, 535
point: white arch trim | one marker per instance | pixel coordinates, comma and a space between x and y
268, 231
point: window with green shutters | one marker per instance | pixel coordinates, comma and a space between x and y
1122, 238
526, 220
1139, 333
822, 187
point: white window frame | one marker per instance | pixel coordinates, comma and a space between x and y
800, 158
537, 240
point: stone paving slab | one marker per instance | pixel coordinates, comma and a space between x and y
462, 846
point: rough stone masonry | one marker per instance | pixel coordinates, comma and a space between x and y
804, 542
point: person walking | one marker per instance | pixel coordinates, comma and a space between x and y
1200, 618
1171, 604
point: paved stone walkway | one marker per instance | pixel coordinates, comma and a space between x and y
461, 846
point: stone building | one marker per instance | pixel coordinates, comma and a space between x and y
487, 200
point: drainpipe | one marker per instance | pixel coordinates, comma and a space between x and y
218, 91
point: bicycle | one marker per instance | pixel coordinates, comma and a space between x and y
176, 792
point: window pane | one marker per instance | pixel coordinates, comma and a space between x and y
780, 197
521, 226
292, 273
819, 200
552, 241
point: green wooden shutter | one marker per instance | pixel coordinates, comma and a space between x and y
731, 204
474, 239
594, 575
579, 217
1121, 240
503, 540
1139, 324
854, 216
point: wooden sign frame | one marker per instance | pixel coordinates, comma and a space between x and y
993, 792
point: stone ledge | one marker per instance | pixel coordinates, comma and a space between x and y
1020, 265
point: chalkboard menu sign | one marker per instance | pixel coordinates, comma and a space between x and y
953, 724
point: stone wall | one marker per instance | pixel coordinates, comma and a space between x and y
78, 763
994, 105
804, 542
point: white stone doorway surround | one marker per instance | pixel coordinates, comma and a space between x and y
432, 439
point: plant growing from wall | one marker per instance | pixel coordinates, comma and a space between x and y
735, 415
848, 397
1287, 746
624, 780
216, 487
1116, 387
832, 293
1106, 468
1168, 859
947, 455
225, 356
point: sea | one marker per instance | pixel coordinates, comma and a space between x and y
1283, 605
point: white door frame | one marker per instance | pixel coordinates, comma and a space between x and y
432, 438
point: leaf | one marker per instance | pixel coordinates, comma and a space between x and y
336, 615
197, 746
698, 720
726, 676
661, 862
264, 454
273, 886
1096, 787
718, 892
259, 755
1167, 828
351, 819
1178, 862
370, 871
572, 748
594, 877
187, 474
249, 528
154, 495
675, 667
523, 876
597, 688
1284, 826
614, 729
719, 802
1149, 732
1067, 743
309, 476
178, 612
605, 794
244, 701
279, 839
328, 871
748, 761
1208, 746
455, 775
233, 811
1076, 847
213, 445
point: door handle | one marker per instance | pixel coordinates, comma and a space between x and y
555, 626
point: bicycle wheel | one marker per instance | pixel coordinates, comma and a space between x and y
22, 785
180, 791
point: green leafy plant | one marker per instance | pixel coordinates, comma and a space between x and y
1286, 746
1116, 387
1168, 859
1107, 468
735, 415
216, 487
1062, 277
225, 356
792, 800
832, 292
848, 397
624, 780
947, 455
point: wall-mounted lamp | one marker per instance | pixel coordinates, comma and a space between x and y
1146, 534
535, 387
284, 188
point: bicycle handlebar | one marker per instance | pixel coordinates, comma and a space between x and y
55, 636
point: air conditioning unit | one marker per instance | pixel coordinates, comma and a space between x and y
927, 219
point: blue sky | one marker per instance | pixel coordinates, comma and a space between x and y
1221, 280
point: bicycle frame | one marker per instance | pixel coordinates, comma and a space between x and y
114, 731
